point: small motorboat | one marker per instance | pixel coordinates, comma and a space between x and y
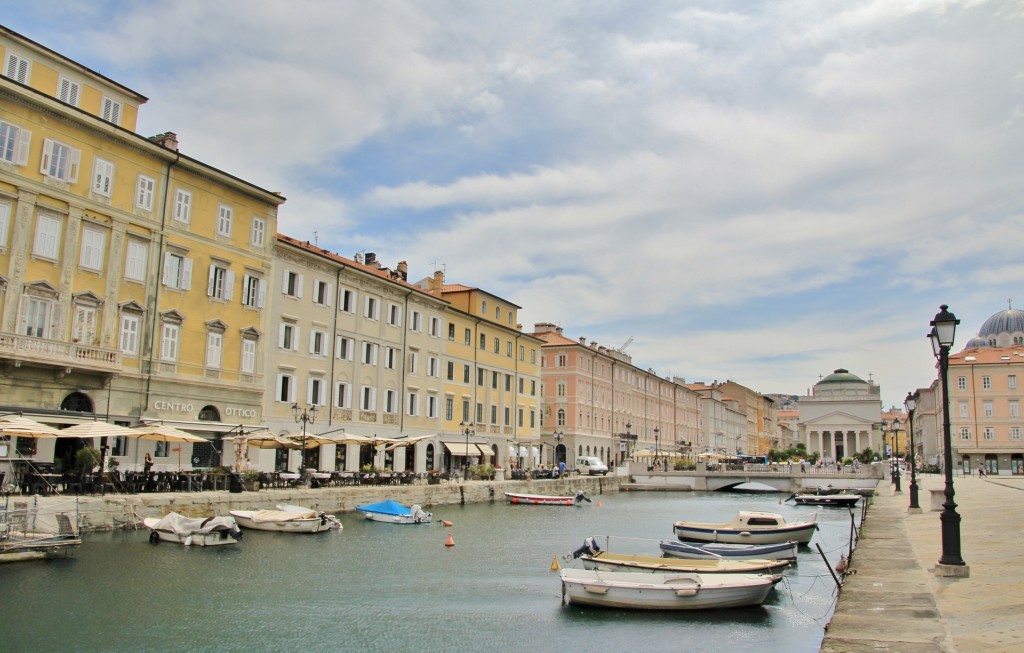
192, 531
748, 527
663, 591
286, 519
829, 499
392, 512
516, 498
712, 551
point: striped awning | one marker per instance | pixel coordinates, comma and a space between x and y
460, 449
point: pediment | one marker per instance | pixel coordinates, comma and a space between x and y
839, 418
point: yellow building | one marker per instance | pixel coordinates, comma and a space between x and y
132, 277
492, 378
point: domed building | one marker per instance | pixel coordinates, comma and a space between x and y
841, 416
1004, 329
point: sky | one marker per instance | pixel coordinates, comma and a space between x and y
761, 192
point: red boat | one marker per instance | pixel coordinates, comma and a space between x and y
546, 500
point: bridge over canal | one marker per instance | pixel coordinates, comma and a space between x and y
783, 478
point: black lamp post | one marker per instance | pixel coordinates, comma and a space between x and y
896, 453
306, 416
943, 331
629, 439
657, 447
910, 403
468, 430
559, 436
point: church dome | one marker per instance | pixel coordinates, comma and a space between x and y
1009, 321
841, 376
977, 342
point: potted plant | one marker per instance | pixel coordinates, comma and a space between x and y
499, 473
251, 480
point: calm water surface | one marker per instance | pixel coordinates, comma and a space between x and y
382, 587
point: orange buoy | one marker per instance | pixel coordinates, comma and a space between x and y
450, 541
598, 504
445, 523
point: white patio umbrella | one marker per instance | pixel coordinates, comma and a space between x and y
23, 427
166, 433
97, 429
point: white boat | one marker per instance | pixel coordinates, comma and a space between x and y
192, 531
711, 551
294, 519
606, 561
546, 499
392, 512
669, 591
748, 527
831, 499
331, 519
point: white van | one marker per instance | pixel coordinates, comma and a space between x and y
591, 466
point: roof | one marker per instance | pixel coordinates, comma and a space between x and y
1009, 321
989, 356
841, 376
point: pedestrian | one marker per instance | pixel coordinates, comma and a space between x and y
148, 463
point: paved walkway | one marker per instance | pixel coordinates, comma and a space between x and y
894, 603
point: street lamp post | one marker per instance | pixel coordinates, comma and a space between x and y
657, 447
559, 436
306, 416
629, 439
941, 337
896, 454
468, 430
910, 403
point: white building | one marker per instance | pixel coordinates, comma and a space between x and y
842, 416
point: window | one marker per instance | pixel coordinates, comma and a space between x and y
413, 404
522, 353
519, 417
390, 401
292, 284
479, 413
483, 341
221, 282
451, 331
390, 358
483, 307
14, 142
987, 408
348, 301
372, 311
449, 408
214, 349
1015, 433
468, 336
248, 356
135, 261
317, 343
494, 380
144, 193
83, 326
494, 414
479, 377
497, 345
342, 395
102, 177
431, 406
254, 291
129, 340
451, 371
963, 409
35, 321
47, 242
521, 380
343, 348
1011, 380
60, 161
415, 321
533, 357
224, 215
368, 398
315, 391
990, 433
533, 390
986, 383
93, 247
508, 349
286, 388
1014, 408
497, 314
508, 416
561, 361
394, 314
169, 338
433, 366
465, 410
68, 91
435, 328
533, 418
183, 206
17, 68
508, 383
288, 336
258, 232
965, 433
414, 360
321, 293
370, 350
465, 374
111, 110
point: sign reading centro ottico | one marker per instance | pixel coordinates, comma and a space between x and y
190, 409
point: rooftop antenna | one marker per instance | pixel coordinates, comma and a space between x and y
316, 241
626, 344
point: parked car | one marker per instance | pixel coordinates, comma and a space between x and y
591, 466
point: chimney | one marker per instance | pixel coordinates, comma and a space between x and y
403, 270
583, 341
166, 139
371, 260
438, 284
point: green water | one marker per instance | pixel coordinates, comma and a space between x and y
383, 587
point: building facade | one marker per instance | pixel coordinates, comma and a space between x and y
841, 417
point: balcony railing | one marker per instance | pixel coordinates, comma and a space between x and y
54, 353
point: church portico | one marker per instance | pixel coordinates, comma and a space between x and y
841, 416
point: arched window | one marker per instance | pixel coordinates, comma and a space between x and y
561, 417
77, 402
209, 414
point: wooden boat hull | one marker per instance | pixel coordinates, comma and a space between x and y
539, 499
710, 551
840, 500
673, 591
604, 561
250, 519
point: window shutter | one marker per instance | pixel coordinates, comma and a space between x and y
261, 293
186, 274
76, 159
284, 282
167, 269
295, 339
209, 281
229, 285
327, 295
21, 155
298, 287
44, 161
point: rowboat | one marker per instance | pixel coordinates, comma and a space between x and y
392, 512
283, 520
668, 591
546, 500
192, 531
841, 500
605, 561
748, 527
712, 551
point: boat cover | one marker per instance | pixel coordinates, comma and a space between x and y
182, 525
388, 507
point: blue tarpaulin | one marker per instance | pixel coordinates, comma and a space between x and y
388, 507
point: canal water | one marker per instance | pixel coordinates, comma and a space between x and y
383, 587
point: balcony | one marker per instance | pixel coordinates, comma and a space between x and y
63, 357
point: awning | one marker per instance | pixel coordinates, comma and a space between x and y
199, 426
459, 449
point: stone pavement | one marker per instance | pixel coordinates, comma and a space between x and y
894, 602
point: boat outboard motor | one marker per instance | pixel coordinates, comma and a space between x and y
589, 547
580, 497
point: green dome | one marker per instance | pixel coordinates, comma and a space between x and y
841, 376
